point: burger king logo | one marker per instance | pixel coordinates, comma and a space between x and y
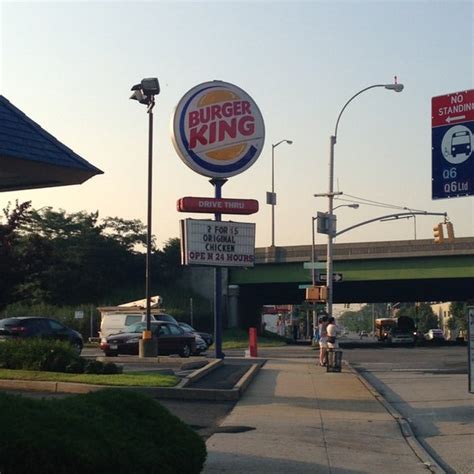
217, 129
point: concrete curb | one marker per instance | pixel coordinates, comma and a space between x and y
175, 362
180, 392
245, 380
423, 455
200, 373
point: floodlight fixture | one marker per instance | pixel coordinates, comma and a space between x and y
145, 91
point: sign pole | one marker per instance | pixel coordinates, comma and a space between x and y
470, 347
218, 183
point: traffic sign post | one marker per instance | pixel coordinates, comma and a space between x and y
470, 335
336, 277
314, 265
452, 121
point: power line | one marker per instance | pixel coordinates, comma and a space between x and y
370, 202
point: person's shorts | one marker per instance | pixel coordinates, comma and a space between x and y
323, 343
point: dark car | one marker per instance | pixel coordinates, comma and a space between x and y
171, 340
208, 339
46, 328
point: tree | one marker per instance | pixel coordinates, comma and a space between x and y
170, 268
10, 260
67, 259
458, 310
422, 314
131, 234
358, 320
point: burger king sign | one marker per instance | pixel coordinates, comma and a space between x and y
217, 129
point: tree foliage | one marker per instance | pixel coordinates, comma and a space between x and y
458, 310
10, 273
50, 256
362, 320
422, 314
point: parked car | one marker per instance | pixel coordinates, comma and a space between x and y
400, 336
46, 328
115, 322
201, 345
435, 335
205, 335
171, 340
419, 336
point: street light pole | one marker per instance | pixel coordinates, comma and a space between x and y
145, 93
272, 199
313, 251
331, 231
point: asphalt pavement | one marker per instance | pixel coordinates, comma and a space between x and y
428, 386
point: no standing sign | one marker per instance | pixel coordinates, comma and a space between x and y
452, 121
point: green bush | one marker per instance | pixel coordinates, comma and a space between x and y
111, 368
36, 354
49, 356
98, 367
107, 431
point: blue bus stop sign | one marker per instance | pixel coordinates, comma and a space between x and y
452, 141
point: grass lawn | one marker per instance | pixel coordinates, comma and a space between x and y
239, 339
136, 379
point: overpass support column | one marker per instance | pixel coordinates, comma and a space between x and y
233, 306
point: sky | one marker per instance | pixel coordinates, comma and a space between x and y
70, 66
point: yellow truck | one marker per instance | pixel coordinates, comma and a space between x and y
383, 326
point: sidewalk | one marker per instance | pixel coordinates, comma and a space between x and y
297, 418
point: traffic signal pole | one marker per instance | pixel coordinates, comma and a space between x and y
391, 217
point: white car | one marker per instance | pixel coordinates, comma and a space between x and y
397, 336
434, 335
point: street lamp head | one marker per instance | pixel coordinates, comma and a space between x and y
352, 206
145, 91
274, 145
394, 87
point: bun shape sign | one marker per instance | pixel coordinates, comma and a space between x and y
217, 129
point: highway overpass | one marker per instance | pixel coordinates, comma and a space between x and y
411, 270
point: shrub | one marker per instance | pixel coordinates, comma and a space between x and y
50, 356
106, 431
94, 367
111, 368
98, 367
36, 354
76, 366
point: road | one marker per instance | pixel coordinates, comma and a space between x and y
428, 386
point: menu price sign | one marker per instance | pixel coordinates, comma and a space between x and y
217, 243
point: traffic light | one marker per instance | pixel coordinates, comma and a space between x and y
317, 293
438, 233
450, 229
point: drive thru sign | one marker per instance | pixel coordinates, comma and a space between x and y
452, 121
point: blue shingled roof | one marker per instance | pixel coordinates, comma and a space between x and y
22, 138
